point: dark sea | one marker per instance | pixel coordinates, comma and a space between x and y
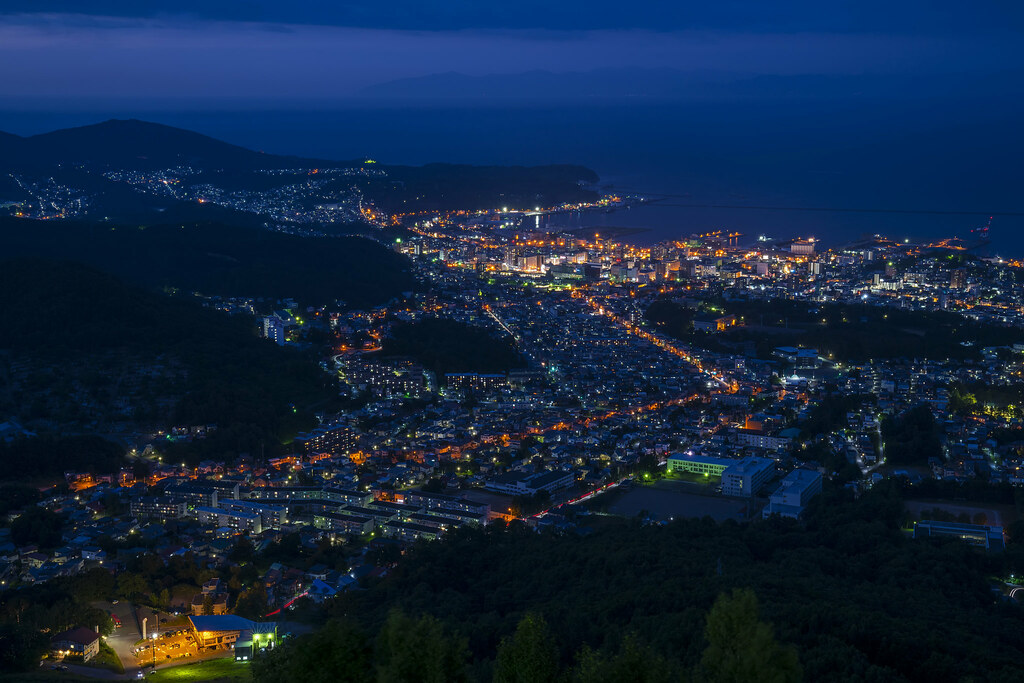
834, 170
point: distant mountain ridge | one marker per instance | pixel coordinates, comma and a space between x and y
40, 170
131, 143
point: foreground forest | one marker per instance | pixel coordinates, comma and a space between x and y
849, 590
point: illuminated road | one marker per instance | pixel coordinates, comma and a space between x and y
662, 343
458, 451
123, 639
584, 498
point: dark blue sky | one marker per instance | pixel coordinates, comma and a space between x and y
73, 52
843, 16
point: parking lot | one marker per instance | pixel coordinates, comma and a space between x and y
175, 643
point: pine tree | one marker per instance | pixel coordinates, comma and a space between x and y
419, 651
741, 648
633, 663
529, 656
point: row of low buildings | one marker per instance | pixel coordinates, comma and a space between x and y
747, 477
327, 508
743, 477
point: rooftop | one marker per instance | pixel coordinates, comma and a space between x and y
80, 635
222, 622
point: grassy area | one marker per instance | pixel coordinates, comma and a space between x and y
693, 478
107, 659
43, 675
212, 670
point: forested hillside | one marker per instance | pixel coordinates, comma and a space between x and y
80, 350
856, 597
218, 259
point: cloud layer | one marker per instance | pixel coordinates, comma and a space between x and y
912, 17
85, 56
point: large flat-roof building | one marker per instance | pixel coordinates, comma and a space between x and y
300, 494
796, 489
408, 531
442, 501
983, 536
744, 477
698, 464
232, 519
522, 483
193, 494
332, 438
473, 381
159, 507
755, 438
275, 329
271, 516
747, 476
343, 522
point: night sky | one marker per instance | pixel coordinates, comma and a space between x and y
74, 52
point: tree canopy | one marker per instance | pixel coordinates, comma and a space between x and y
742, 648
846, 591
91, 350
449, 346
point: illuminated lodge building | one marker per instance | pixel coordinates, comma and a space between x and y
79, 641
232, 631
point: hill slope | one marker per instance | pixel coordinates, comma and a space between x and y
137, 170
130, 143
82, 351
216, 259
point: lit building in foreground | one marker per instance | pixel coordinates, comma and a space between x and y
77, 641
226, 630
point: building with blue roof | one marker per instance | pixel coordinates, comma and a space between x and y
224, 630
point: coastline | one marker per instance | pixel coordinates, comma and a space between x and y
613, 232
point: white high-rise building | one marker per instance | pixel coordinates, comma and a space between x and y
747, 476
274, 329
